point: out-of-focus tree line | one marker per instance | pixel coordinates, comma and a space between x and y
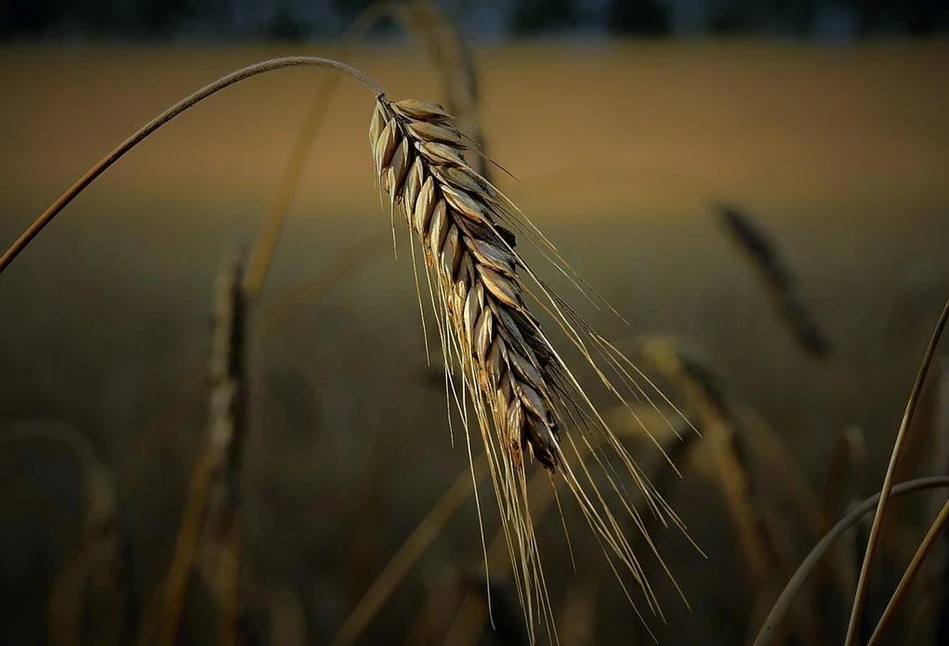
480, 19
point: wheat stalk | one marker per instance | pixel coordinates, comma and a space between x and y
810, 562
912, 403
929, 625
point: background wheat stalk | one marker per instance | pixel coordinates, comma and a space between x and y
209, 536
783, 289
90, 596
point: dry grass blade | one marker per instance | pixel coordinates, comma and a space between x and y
929, 625
209, 532
853, 517
520, 391
781, 286
89, 596
908, 414
929, 541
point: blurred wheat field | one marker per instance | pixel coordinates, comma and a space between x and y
621, 154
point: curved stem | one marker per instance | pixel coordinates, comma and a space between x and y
186, 103
921, 553
265, 245
911, 405
810, 562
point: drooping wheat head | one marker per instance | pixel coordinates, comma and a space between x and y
522, 394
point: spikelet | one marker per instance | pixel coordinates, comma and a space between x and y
520, 391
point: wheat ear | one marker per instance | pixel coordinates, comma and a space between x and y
209, 535
522, 393
521, 390
784, 291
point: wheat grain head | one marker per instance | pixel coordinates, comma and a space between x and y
782, 287
522, 394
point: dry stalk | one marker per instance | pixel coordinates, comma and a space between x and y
929, 625
929, 541
810, 562
784, 292
209, 537
911, 405
152, 126
89, 598
406, 557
